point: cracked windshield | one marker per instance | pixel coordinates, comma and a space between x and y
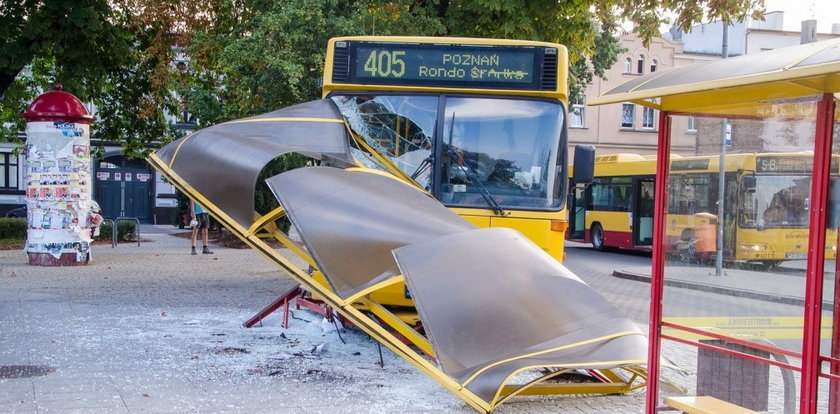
492, 153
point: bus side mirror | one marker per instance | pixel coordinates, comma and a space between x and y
584, 166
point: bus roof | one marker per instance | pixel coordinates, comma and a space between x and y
738, 85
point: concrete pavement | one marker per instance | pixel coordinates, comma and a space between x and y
152, 329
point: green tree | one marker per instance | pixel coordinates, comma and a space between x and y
75, 42
253, 56
264, 55
275, 57
116, 54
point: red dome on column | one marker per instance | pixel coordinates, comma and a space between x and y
57, 105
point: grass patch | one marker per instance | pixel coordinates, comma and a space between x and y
12, 244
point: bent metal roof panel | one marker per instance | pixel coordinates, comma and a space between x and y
350, 222
222, 162
491, 301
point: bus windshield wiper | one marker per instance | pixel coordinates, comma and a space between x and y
472, 175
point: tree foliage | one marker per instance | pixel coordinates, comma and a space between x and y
253, 56
76, 42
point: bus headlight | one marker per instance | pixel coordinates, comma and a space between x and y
753, 247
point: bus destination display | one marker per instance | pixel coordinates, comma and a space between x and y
445, 65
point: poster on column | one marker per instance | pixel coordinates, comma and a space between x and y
58, 197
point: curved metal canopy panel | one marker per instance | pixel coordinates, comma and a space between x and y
493, 303
729, 85
222, 162
351, 221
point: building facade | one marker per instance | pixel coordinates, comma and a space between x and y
631, 128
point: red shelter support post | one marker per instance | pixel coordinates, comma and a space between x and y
816, 257
58, 189
657, 281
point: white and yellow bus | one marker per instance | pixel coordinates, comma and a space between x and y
766, 202
478, 123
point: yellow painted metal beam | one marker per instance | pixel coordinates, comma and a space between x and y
379, 322
393, 169
401, 327
265, 219
357, 317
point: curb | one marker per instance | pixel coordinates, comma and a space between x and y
749, 294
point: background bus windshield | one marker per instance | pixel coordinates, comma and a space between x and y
777, 201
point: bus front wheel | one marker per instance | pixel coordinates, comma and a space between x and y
596, 235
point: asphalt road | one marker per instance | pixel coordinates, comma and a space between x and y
596, 268
633, 297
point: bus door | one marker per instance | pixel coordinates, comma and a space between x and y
577, 212
643, 208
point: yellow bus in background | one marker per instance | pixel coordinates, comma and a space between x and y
478, 123
766, 206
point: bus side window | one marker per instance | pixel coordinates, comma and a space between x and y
619, 203
600, 199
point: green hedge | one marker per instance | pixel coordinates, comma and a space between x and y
126, 231
13, 228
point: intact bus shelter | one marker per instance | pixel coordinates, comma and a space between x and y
762, 334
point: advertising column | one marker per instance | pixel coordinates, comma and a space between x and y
58, 191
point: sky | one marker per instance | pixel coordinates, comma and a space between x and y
825, 12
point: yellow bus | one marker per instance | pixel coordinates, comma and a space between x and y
478, 123
766, 206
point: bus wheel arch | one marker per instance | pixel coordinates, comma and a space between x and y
596, 236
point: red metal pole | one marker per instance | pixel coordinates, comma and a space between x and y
273, 306
657, 280
834, 387
816, 258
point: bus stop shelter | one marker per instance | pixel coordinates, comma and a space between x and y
773, 345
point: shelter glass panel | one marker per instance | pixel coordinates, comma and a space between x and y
829, 385
736, 239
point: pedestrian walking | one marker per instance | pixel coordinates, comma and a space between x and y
200, 222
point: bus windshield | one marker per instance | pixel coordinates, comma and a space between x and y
488, 151
779, 201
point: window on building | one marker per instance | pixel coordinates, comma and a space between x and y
184, 115
692, 124
578, 114
9, 174
627, 114
648, 118
641, 64
628, 65
653, 64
